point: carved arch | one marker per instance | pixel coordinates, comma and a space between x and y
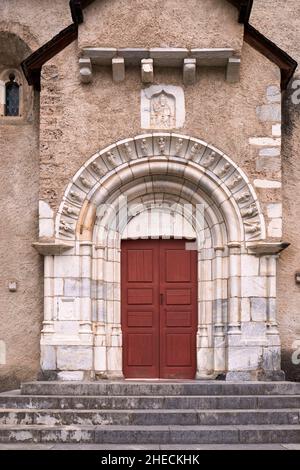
182, 163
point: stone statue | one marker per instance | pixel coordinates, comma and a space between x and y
162, 112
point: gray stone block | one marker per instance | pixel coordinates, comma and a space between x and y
273, 94
269, 112
270, 152
48, 357
132, 434
268, 164
272, 358
255, 329
273, 402
203, 435
62, 434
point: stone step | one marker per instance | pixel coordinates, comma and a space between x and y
128, 388
26, 417
152, 434
149, 402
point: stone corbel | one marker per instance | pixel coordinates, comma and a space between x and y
266, 248
118, 69
85, 66
189, 71
233, 70
56, 247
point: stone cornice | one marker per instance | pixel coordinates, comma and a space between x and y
52, 247
266, 248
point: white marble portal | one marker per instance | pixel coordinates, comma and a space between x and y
110, 198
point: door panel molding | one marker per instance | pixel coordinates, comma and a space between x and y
159, 309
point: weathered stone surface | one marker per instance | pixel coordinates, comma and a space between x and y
274, 210
269, 112
118, 69
74, 358
48, 358
189, 71
103, 412
273, 94
268, 164
233, 69
267, 184
275, 228
258, 309
59, 137
269, 152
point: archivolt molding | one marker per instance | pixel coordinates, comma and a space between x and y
162, 163
106, 235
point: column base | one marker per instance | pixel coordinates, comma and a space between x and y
256, 376
64, 375
115, 375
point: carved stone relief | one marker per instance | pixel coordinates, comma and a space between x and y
162, 111
162, 107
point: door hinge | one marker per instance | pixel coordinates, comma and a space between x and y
161, 299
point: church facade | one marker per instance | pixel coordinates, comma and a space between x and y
149, 190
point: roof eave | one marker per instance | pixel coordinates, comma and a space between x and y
272, 52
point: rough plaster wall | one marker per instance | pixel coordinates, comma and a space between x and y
79, 120
279, 20
161, 23
21, 312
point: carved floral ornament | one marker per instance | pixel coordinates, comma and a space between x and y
214, 173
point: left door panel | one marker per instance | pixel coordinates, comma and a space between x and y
140, 309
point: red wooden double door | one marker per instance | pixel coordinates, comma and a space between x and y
159, 309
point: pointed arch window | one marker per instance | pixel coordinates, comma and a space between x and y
12, 96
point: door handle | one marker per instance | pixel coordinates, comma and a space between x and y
161, 299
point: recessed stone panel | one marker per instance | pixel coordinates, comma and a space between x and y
72, 358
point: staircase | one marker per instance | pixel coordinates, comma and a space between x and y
151, 413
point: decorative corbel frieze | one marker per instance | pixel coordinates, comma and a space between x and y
189, 71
